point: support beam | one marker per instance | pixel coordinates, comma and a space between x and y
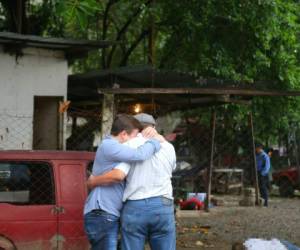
210, 167
254, 160
108, 111
197, 91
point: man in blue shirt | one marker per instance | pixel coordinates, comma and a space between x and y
263, 167
104, 203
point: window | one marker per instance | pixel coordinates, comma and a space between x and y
26, 183
89, 170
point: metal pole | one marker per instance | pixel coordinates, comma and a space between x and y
296, 151
210, 167
254, 160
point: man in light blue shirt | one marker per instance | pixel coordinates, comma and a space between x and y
103, 205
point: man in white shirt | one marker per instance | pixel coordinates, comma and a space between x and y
148, 212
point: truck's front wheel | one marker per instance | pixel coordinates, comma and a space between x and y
286, 188
5, 244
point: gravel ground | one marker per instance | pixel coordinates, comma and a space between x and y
230, 223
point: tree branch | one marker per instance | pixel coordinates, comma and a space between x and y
124, 29
105, 27
133, 46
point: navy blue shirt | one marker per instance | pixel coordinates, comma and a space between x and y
263, 163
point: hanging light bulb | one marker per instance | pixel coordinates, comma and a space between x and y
137, 108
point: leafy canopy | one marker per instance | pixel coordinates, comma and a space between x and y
246, 41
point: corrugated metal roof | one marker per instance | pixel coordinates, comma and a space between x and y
73, 48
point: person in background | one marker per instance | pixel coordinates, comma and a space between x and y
148, 212
104, 203
263, 167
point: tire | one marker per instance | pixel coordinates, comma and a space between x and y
286, 188
6, 244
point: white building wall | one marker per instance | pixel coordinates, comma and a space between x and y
38, 72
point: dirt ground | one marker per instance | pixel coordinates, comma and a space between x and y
224, 225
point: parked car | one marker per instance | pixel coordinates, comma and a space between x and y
287, 180
42, 194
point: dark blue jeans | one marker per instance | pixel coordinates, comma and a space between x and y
263, 187
289, 245
102, 230
149, 219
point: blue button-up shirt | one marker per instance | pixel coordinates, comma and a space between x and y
109, 154
263, 163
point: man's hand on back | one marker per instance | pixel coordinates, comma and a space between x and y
90, 182
159, 137
151, 133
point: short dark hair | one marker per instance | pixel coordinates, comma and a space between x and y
125, 122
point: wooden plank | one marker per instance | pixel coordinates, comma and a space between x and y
197, 91
254, 160
228, 170
237, 185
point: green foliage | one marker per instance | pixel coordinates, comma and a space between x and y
77, 13
239, 40
245, 41
126, 22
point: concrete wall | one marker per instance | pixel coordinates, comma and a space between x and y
37, 72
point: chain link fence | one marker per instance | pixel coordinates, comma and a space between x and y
232, 158
15, 131
24, 132
26, 183
83, 129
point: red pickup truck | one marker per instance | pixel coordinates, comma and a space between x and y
42, 194
287, 180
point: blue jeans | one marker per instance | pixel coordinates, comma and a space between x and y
149, 219
102, 230
289, 245
263, 187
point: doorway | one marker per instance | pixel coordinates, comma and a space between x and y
47, 123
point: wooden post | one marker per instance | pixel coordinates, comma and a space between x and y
107, 114
254, 160
296, 151
210, 167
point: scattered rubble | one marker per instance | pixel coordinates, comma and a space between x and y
224, 225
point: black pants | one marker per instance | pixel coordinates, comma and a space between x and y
263, 187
